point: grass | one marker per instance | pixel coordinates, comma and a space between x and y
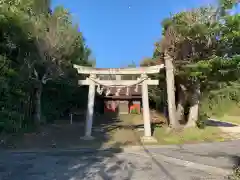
184, 136
227, 111
188, 135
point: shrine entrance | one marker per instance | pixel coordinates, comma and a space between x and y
119, 88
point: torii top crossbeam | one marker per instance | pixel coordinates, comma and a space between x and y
118, 71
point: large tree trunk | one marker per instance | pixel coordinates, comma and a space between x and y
194, 107
173, 123
181, 104
38, 96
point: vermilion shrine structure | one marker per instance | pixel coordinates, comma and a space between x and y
112, 85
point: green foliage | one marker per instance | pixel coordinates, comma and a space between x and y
221, 85
229, 39
203, 116
225, 5
220, 101
32, 52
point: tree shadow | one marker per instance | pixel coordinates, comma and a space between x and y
216, 123
68, 161
85, 164
64, 135
66, 165
69, 157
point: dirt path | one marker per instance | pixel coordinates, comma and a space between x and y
107, 131
52, 136
233, 132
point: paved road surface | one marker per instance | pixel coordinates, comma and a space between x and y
188, 162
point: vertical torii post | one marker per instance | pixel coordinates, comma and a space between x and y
90, 109
145, 104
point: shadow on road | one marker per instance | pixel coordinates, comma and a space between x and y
80, 160
57, 152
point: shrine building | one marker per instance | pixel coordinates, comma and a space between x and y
127, 100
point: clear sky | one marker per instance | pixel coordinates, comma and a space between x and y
122, 31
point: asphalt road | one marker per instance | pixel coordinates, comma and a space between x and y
189, 162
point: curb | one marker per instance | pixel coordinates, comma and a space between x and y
91, 150
80, 150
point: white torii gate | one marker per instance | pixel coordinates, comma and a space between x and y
144, 81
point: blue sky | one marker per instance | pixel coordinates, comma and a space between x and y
122, 31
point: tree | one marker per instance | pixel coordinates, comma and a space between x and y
170, 81
229, 37
49, 33
133, 64
44, 56
192, 38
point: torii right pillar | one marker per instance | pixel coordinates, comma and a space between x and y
146, 113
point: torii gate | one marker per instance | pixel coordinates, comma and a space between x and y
143, 80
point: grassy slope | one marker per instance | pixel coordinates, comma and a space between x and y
189, 135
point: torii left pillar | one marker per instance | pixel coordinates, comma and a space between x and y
90, 110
